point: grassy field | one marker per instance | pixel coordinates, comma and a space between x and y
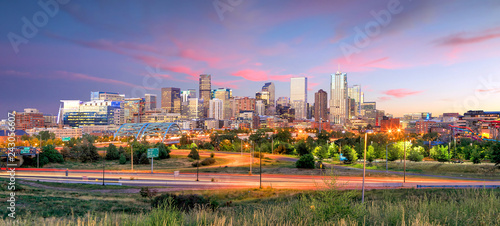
175, 162
50, 206
482, 171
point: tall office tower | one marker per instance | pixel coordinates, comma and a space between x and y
216, 109
195, 108
132, 109
171, 99
283, 101
150, 102
298, 93
339, 100
321, 106
265, 97
271, 108
224, 95
260, 107
205, 92
355, 93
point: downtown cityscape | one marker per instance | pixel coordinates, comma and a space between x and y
239, 112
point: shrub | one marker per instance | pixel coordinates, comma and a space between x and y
208, 161
476, 157
112, 152
144, 159
212, 155
321, 152
440, 153
350, 154
370, 154
164, 151
495, 154
148, 193
415, 155
123, 159
306, 161
301, 148
194, 154
181, 202
257, 154
51, 154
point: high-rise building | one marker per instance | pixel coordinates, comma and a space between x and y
260, 107
339, 99
195, 108
29, 119
205, 92
355, 93
150, 102
132, 110
109, 96
216, 109
298, 96
243, 104
283, 101
224, 95
321, 106
271, 106
92, 113
171, 99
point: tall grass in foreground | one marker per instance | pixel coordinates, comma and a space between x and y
329, 207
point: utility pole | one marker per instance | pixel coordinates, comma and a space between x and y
103, 166
364, 171
132, 156
197, 168
260, 166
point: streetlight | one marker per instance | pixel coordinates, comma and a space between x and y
364, 168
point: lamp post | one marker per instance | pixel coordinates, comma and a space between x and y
260, 167
251, 157
364, 169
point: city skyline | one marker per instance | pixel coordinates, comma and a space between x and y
448, 63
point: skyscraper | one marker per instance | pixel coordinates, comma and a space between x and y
298, 96
271, 106
320, 106
339, 100
205, 89
355, 93
150, 102
216, 109
171, 99
224, 95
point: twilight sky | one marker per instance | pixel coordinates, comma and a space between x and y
409, 56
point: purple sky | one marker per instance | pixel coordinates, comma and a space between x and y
428, 56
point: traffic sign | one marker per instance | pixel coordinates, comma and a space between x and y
66, 138
25, 150
153, 152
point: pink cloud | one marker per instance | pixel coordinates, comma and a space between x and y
400, 93
465, 38
258, 75
382, 99
72, 75
311, 85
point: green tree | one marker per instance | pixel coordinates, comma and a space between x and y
416, 154
301, 148
183, 140
112, 152
333, 149
495, 154
51, 154
392, 153
476, 156
305, 161
370, 154
350, 154
440, 153
194, 154
144, 159
123, 159
164, 151
321, 152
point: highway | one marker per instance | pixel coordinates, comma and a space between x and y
186, 181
